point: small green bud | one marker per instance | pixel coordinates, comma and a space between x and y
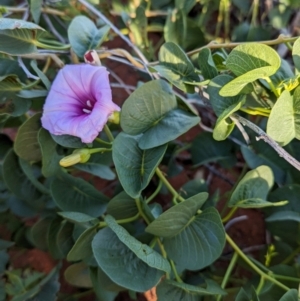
114, 117
78, 156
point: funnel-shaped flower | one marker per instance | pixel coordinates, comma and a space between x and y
79, 102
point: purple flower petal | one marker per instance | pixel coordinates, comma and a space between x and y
79, 102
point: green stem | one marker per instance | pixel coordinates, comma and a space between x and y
141, 212
252, 265
51, 47
228, 272
260, 285
108, 133
99, 150
229, 215
121, 221
163, 252
154, 194
291, 256
168, 185
287, 278
103, 142
177, 277
269, 81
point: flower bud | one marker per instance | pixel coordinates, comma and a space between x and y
91, 57
114, 117
78, 156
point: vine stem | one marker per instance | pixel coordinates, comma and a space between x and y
154, 194
265, 137
168, 185
115, 29
281, 39
228, 272
122, 221
252, 265
108, 133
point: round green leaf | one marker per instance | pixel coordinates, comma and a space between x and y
196, 241
146, 106
84, 35
135, 167
252, 190
75, 194
250, 62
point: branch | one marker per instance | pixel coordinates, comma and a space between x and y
264, 136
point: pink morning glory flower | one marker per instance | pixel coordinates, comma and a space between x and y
79, 102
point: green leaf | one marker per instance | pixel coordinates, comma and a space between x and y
284, 216
250, 62
77, 217
252, 190
104, 288
206, 63
122, 206
223, 106
40, 74
19, 36
26, 143
296, 54
52, 232
82, 248
99, 170
182, 213
146, 106
4, 244
190, 233
284, 121
78, 274
175, 66
172, 125
68, 141
35, 9
172, 290
50, 157
16, 181
218, 102
128, 262
259, 153
205, 150
64, 238
84, 35
38, 233
135, 167
291, 295
29, 172
75, 194
182, 30
9, 85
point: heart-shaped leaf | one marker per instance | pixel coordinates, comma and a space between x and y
135, 167
127, 261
